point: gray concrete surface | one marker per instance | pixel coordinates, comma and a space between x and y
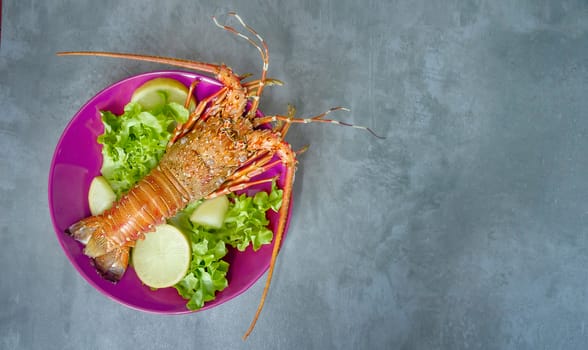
464, 229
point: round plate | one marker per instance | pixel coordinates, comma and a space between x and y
78, 159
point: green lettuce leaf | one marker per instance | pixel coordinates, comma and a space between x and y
134, 142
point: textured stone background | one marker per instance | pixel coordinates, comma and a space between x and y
464, 229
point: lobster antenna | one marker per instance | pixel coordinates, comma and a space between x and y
264, 52
232, 30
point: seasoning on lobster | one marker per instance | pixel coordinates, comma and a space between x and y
216, 151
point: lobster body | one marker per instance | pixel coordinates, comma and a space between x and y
191, 169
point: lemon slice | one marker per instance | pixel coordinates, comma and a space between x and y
162, 259
100, 196
150, 94
211, 212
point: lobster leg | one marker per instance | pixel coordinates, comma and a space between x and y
182, 129
252, 167
285, 126
191, 93
255, 171
237, 186
316, 119
253, 86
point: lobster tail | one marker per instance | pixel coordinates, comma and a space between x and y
99, 245
83, 230
90, 231
113, 265
110, 260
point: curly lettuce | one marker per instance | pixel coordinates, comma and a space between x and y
134, 142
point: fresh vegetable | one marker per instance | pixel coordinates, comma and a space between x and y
162, 258
245, 224
157, 92
134, 142
211, 213
100, 196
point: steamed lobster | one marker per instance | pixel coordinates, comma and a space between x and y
217, 151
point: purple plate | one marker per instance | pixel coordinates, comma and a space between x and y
78, 159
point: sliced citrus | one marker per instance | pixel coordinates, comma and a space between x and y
211, 212
162, 259
151, 94
100, 196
